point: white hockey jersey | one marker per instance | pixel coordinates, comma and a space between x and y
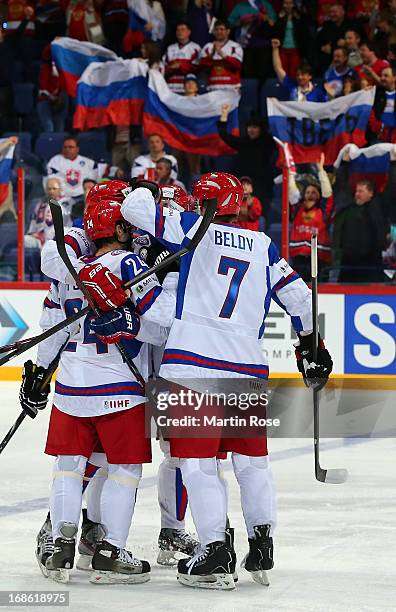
92, 379
187, 57
143, 163
72, 172
224, 292
77, 245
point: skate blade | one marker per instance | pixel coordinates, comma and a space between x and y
168, 557
103, 577
84, 563
59, 575
260, 577
223, 582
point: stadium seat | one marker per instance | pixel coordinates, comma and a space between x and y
24, 142
49, 144
23, 98
249, 93
271, 89
93, 144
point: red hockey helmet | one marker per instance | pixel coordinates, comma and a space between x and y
110, 191
100, 219
175, 194
224, 187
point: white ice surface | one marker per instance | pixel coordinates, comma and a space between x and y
335, 545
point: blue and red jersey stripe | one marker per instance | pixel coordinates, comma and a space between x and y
120, 388
188, 358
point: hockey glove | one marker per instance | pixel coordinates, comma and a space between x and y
153, 187
315, 374
31, 396
157, 253
104, 287
120, 324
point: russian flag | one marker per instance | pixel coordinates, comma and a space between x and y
142, 13
71, 58
6, 156
188, 123
313, 127
111, 94
370, 163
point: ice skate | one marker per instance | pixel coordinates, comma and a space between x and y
260, 555
211, 567
45, 545
60, 563
229, 540
112, 565
91, 534
173, 541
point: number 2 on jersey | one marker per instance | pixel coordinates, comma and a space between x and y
240, 268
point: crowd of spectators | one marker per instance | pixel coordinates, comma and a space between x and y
316, 50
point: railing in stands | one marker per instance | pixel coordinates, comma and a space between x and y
285, 214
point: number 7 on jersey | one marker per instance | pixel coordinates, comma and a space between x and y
240, 268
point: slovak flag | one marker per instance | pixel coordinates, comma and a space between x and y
72, 57
111, 94
189, 123
141, 13
370, 163
6, 156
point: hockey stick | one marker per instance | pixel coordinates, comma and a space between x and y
57, 218
207, 218
335, 475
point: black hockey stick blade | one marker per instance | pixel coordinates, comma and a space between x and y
29, 343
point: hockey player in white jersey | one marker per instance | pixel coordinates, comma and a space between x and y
172, 497
111, 411
225, 288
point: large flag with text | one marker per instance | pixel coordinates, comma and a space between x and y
111, 94
189, 123
313, 127
72, 57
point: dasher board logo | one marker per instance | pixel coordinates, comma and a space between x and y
12, 326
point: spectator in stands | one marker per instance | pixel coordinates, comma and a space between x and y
150, 27
255, 153
41, 226
19, 33
302, 89
7, 210
50, 20
181, 58
382, 123
190, 85
200, 16
332, 34
384, 34
84, 21
115, 23
144, 165
164, 173
222, 59
249, 215
350, 85
150, 52
372, 66
292, 30
360, 226
352, 42
192, 161
311, 210
52, 104
77, 211
253, 23
337, 72
72, 168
